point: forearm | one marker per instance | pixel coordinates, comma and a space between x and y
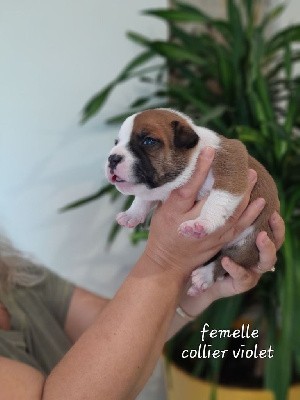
192, 307
115, 356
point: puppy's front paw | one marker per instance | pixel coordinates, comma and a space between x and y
193, 229
202, 278
129, 220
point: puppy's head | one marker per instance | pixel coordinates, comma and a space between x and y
153, 148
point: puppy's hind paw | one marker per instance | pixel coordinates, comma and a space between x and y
192, 229
128, 220
202, 278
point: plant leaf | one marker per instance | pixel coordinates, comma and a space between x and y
282, 38
137, 38
175, 52
249, 135
106, 189
280, 64
221, 26
189, 8
173, 15
235, 22
96, 102
115, 229
116, 119
139, 102
270, 16
262, 90
137, 61
281, 364
213, 114
138, 236
99, 99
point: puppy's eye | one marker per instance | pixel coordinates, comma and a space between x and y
149, 141
116, 141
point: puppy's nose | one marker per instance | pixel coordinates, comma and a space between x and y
114, 160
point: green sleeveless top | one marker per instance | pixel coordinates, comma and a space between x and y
37, 319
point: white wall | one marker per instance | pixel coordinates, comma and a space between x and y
54, 56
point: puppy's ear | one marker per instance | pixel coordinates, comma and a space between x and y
184, 136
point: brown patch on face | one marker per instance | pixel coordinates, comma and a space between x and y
170, 144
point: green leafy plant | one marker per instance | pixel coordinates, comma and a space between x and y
227, 74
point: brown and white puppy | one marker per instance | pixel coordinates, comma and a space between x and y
156, 152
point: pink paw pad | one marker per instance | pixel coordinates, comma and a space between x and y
199, 229
192, 229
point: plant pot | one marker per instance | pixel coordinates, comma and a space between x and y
180, 385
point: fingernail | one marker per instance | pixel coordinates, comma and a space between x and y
274, 217
207, 153
225, 261
260, 203
252, 175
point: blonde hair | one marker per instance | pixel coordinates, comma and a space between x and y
16, 268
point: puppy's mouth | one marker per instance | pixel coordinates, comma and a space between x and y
122, 185
116, 178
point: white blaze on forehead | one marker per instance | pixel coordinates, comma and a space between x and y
124, 137
125, 168
126, 130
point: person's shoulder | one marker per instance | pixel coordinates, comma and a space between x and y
20, 381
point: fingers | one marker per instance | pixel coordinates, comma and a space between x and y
241, 276
184, 197
252, 179
233, 269
278, 229
249, 215
267, 253
239, 279
245, 221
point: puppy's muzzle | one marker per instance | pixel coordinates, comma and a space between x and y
113, 161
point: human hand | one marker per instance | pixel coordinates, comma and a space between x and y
171, 250
240, 279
